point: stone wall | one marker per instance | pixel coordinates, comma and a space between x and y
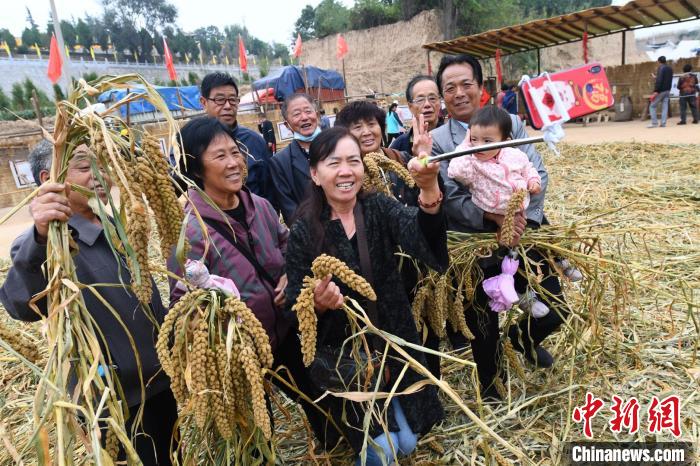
380, 59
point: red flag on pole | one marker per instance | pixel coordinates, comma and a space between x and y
499, 72
341, 48
55, 61
168, 58
585, 46
297, 47
242, 59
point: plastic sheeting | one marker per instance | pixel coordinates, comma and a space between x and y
188, 94
287, 80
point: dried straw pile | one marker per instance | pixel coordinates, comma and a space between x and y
633, 330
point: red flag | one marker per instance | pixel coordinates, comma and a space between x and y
499, 72
55, 61
242, 59
341, 48
297, 47
585, 46
169, 61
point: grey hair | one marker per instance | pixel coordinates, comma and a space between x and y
40, 159
295, 96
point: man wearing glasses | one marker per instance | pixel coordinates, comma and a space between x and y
219, 98
423, 99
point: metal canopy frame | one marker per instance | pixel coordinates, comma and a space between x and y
564, 29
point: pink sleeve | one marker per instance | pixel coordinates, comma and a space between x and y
532, 173
529, 172
462, 170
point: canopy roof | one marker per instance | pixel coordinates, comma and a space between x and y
570, 28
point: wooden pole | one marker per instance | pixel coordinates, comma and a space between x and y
430, 66
128, 111
539, 66
37, 109
345, 81
624, 43
179, 100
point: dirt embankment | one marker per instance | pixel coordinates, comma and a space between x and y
380, 59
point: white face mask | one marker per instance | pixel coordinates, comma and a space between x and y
310, 138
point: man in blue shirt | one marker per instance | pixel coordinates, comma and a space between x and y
219, 98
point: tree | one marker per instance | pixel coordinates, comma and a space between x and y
371, 13
31, 37
305, 25
18, 100
7, 37
84, 33
331, 17
150, 15
30, 88
4, 100
68, 31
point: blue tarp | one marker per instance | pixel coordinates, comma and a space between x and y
287, 80
188, 94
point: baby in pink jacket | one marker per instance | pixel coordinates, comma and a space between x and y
493, 176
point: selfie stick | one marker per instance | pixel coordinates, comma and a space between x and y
483, 148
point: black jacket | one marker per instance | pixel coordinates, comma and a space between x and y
290, 175
94, 264
389, 226
267, 131
664, 78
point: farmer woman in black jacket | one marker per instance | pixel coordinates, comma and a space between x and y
330, 221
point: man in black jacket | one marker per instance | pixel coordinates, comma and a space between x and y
268, 132
219, 99
95, 262
662, 92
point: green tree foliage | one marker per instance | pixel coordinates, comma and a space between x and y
193, 78
29, 90
370, 13
150, 15
69, 34
18, 100
84, 33
31, 37
31, 34
331, 17
7, 37
305, 24
4, 100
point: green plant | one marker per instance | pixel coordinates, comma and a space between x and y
4, 100
58, 92
18, 101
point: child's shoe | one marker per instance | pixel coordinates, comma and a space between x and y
569, 271
529, 303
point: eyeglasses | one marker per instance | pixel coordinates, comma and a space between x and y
452, 88
432, 98
220, 101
